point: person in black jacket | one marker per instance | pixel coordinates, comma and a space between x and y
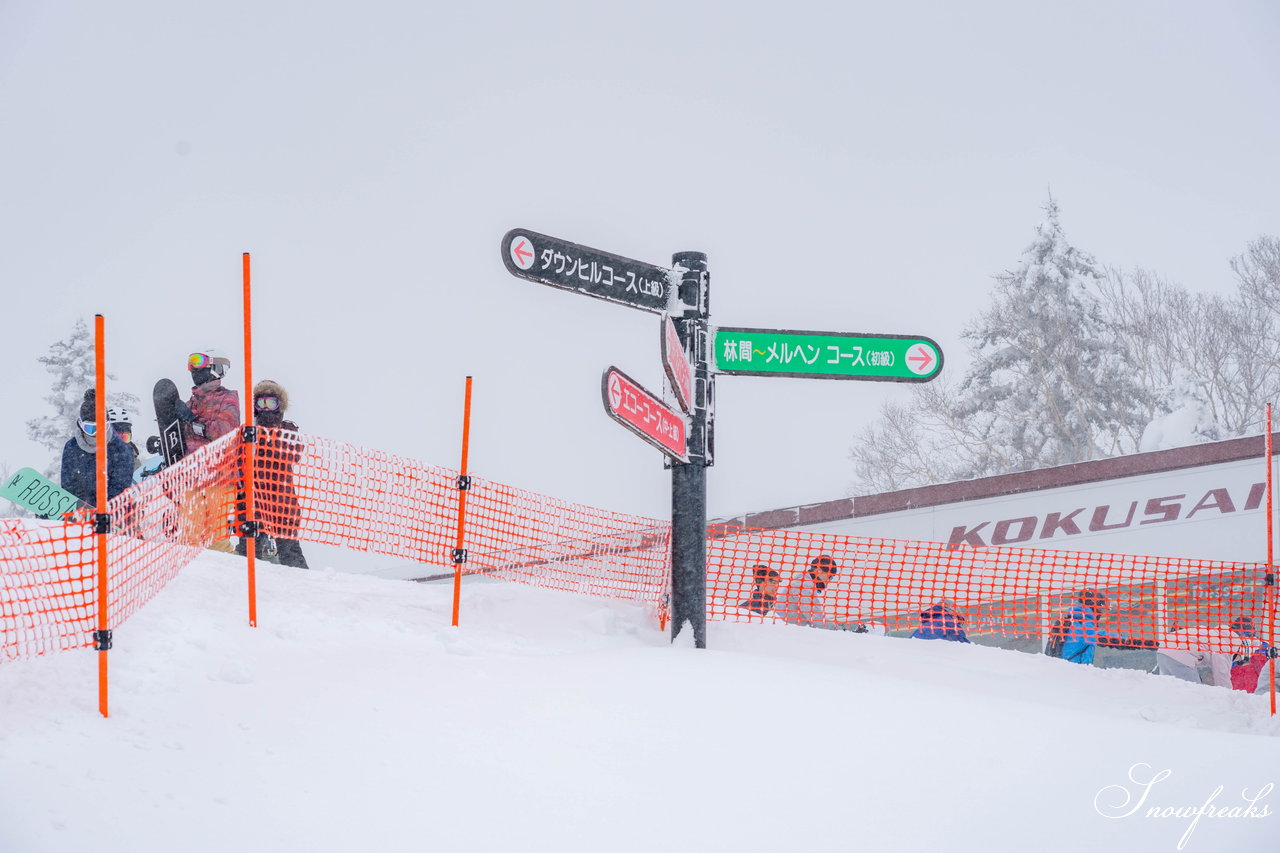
80, 453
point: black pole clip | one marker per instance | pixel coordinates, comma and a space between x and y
1269, 579
102, 640
102, 522
459, 556
464, 483
250, 529
249, 434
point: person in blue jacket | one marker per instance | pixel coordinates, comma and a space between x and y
941, 622
1081, 639
79, 455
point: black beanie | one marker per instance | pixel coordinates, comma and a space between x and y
89, 408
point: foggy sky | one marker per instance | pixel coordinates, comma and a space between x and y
860, 167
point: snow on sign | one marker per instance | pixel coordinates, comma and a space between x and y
676, 363
644, 414
559, 263
825, 355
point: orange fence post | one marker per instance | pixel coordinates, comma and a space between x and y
102, 637
1271, 573
464, 485
249, 527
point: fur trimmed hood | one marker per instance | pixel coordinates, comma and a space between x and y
270, 386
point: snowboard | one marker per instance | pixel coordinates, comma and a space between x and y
168, 404
32, 490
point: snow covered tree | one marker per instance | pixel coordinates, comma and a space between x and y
71, 361
1227, 347
1051, 383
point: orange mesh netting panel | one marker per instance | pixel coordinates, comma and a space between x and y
533, 539
1009, 596
46, 587
161, 524
324, 491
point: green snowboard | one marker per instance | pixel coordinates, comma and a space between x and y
33, 491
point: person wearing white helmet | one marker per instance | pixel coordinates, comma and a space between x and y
122, 422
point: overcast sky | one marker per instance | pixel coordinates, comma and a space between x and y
860, 167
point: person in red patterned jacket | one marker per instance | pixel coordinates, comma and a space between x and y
214, 412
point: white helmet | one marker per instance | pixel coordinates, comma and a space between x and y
117, 415
210, 358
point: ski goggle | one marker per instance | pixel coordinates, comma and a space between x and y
197, 360
89, 427
125, 434
270, 403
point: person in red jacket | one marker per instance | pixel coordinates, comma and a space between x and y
215, 412
1247, 663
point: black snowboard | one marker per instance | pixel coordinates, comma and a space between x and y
168, 406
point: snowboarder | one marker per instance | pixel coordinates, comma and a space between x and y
802, 602
1081, 639
1183, 652
764, 592
79, 455
122, 423
275, 498
214, 412
941, 622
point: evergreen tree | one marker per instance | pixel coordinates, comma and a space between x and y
1050, 384
71, 361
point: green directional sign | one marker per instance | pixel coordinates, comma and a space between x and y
825, 355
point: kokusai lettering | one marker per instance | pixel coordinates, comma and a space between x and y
1099, 520
1005, 534
1105, 517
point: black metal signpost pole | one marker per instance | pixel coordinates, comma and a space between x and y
689, 479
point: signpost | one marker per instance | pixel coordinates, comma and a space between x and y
825, 355
559, 263
692, 353
644, 414
676, 364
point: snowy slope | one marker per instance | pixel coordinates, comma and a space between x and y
355, 718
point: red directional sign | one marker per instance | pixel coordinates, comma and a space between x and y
644, 414
676, 364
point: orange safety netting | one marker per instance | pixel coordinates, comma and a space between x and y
1001, 596
328, 492
47, 587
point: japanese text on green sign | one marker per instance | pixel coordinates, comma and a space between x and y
826, 355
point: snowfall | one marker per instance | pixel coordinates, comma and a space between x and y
355, 717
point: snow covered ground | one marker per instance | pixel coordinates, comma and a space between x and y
356, 719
